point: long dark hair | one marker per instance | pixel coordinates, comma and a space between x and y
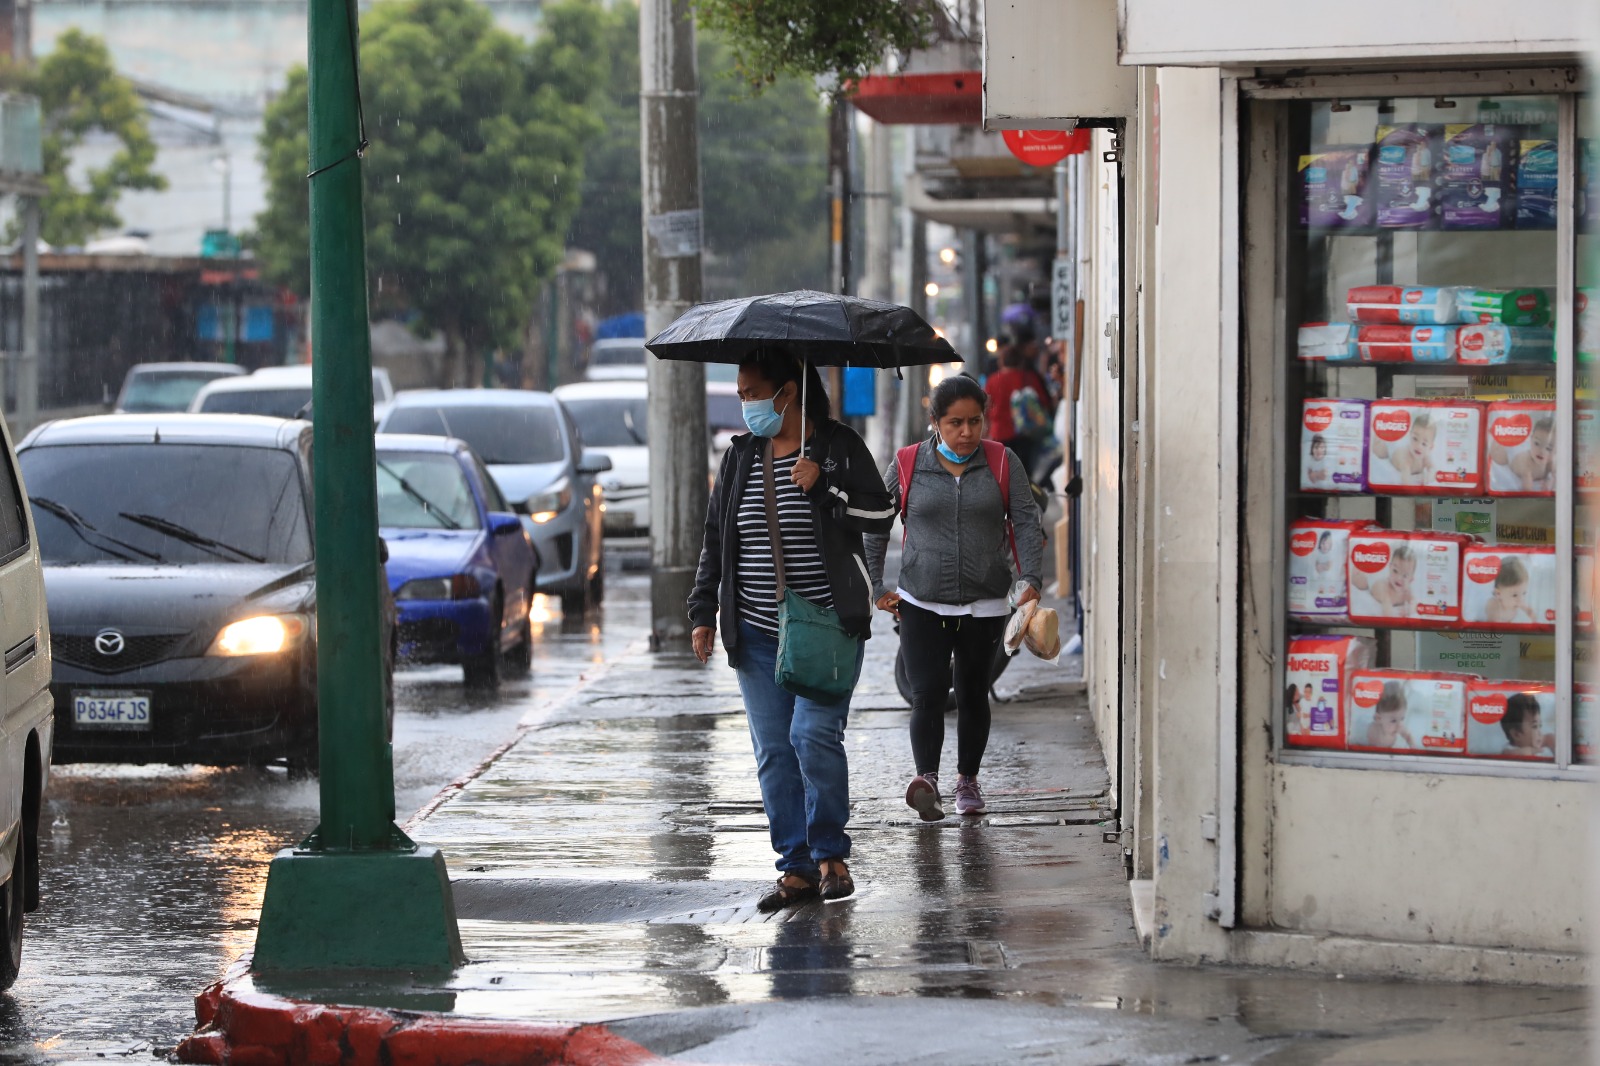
953, 388
778, 367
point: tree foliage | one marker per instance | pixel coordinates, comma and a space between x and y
80, 91
474, 170
839, 39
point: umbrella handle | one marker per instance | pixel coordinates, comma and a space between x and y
805, 379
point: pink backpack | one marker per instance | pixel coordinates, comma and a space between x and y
994, 453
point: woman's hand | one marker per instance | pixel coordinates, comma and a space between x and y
805, 473
701, 638
1029, 595
890, 601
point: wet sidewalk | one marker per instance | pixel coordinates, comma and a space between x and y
606, 866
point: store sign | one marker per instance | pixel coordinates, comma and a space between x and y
1046, 148
1047, 64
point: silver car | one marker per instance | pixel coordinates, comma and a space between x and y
537, 457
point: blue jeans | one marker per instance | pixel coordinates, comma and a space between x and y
800, 759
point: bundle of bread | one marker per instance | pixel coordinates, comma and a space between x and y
1017, 628
1043, 636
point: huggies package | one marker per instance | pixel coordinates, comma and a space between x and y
1538, 166
1329, 342
1319, 581
1406, 579
1404, 185
1408, 711
1490, 344
1335, 187
1587, 429
1401, 305
1333, 445
1425, 447
1584, 699
1475, 176
1583, 588
1509, 307
1519, 442
1406, 344
1317, 680
1508, 587
1511, 720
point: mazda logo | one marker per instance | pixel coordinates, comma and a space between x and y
109, 642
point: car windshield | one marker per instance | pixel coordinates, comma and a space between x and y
501, 435
621, 355
725, 373
166, 503
724, 411
274, 403
424, 490
171, 390
609, 421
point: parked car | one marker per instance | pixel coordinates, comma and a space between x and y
151, 387
28, 726
279, 392
611, 417
617, 359
461, 566
536, 455
180, 573
724, 417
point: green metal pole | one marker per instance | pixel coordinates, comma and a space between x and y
357, 892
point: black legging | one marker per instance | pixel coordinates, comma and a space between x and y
929, 641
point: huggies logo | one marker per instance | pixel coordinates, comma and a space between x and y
1304, 542
1413, 296
1483, 568
1511, 430
1301, 664
1527, 302
1488, 708
1370, 558
1318, 418
1366, 692
1391, 425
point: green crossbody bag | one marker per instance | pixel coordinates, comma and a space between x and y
816, 657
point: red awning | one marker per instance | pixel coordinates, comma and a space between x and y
950, 99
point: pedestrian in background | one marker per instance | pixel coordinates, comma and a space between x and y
825, 498
969, 516
1006, 396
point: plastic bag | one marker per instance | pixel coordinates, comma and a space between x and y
1017, 627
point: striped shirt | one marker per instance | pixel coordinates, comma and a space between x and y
803, 568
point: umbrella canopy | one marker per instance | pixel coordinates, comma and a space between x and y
822, 328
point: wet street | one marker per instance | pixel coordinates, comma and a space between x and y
152, 876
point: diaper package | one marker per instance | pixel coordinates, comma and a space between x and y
1334, 187
1475, 176
1410, 580
1584, 700
1408, 711
1511, 720
1583, 588
1422, 447
1316, 688
1401, 305
1509, 307
1508, 587
1331, 342
1405, 175
1519, 440
1587, 310
1490, 344
1587, 429
1537, 174
1406, 344
1333, 445
1319, 581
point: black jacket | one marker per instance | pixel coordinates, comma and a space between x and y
848, 500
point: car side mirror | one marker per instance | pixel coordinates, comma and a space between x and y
503, 522
593, 462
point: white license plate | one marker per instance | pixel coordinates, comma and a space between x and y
111, 710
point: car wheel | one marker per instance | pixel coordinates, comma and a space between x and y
482, 671
519, 660
12, 902
575, 605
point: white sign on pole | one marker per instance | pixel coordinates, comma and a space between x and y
1063, 300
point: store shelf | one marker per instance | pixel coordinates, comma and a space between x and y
1431, 369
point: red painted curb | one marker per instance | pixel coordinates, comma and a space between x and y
241, 1026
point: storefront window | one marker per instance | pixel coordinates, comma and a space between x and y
1440, 429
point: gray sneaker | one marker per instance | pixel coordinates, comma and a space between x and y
922, 796
969, 798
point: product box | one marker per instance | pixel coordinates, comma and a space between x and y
1508, 587
1405, 175
1511, 720
1317, 680
1587, 429
1492, 343
1584, 701
1406, 344
1474, 176
1333, 446
1327, 342
1509, 307
1587, 310
1538, 168
1425, 447
1319, 582
1334, 187
1519, 442
1403, 579
1401, 305
1583, 588
1408, 711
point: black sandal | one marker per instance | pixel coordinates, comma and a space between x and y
791, 889
837, 884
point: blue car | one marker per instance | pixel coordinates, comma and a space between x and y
461, 565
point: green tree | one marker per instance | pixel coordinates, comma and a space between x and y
839, 39
80, 91
474, 170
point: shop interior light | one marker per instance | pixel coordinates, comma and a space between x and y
947, 256
931, 288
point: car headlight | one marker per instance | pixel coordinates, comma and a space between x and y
456, 587
544, 506
264, 634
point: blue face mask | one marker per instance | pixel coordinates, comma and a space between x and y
944, 450
762, 418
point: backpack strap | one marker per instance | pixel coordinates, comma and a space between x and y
905, 461
994, 453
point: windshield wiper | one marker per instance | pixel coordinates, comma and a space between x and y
427, 505
84, 530
188, 536
627, 420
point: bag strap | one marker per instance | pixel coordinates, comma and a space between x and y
773, 532
994, 453
905, 460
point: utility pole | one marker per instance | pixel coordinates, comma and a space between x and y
975, 268
879, 195
669, 160
27, 383
913, 420
357, 893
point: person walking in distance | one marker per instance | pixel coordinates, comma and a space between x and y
1014, 376
825, 493
968, 516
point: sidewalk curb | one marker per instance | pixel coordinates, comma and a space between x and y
241, 1026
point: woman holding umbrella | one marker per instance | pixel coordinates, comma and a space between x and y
824, 494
